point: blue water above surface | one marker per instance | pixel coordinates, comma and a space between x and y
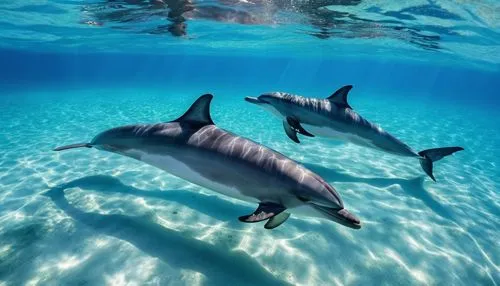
428, 72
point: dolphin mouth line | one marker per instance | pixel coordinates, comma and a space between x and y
254, 100
341, 216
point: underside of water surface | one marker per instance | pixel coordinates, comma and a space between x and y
462, 32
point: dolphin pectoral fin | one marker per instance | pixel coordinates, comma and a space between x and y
276, 220
292, 134
339, 98
296, 125
264, 211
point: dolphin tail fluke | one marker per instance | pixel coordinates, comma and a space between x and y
429, 156
78, 145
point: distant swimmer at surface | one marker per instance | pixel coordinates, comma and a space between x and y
333, 117
193, 148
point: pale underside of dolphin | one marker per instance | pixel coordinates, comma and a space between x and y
193, 148
333, 117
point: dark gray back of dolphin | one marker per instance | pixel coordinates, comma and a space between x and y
193, 148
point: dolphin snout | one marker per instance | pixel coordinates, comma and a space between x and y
344, 217
341, 216
253, 100
349, 217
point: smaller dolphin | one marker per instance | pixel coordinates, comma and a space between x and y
194, 149
333, 117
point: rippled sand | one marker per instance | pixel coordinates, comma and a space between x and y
85, 217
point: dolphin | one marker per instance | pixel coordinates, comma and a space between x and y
333, 117
193, 148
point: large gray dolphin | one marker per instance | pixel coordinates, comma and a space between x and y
333, 117
194, 149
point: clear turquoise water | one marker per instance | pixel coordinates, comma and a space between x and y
86, 217
109, 219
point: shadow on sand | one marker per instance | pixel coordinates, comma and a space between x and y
221, 266
413, 187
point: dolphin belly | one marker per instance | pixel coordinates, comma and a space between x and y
329, 132
376, 139
306, 210
183, 171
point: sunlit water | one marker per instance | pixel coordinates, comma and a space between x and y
426, 71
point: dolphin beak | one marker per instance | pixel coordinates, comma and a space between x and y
348, 219
342, 216
253, 100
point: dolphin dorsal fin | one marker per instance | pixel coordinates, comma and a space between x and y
340, 97
199, 112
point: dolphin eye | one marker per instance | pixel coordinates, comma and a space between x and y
303, 199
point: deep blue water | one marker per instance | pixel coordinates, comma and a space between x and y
255, 72
428, 73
